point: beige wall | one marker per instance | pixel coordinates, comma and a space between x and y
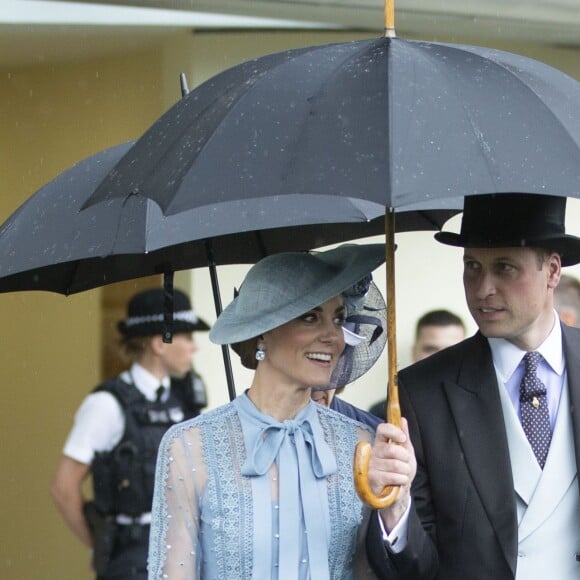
50, 117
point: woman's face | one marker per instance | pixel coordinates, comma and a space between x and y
305, 350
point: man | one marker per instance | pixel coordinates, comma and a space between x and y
567, 300
497, 438
434, 331
117, 431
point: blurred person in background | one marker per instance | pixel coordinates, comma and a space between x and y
328, 398
567, 300
117, 431
434, 331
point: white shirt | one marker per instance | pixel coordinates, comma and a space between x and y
100, 422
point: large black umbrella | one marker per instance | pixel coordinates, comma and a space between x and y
391, 121
49, 243
388, 120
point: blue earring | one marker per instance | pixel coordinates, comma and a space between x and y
260, 352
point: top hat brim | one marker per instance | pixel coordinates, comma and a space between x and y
513, 220
566, 245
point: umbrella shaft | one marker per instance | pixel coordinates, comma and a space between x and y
390, 18
218, 310
393, 408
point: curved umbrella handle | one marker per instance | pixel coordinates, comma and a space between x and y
362, 455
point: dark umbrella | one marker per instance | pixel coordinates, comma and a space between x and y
391, 121
395, 122
50, 244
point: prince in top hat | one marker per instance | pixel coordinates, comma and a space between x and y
495, 419
117, 431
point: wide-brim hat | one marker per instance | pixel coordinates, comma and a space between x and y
515, 220
281, 287
146, 311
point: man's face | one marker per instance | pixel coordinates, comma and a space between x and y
432, 339
510, 294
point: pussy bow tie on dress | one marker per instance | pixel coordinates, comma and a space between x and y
304, 458
307, 437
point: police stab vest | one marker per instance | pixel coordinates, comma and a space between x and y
123, 478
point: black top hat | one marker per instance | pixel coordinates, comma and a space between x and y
506, 220
145, 315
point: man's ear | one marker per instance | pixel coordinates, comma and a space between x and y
554, 269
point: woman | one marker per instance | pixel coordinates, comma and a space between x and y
262, 487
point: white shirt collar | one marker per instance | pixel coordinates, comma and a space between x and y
507, 356
145, 381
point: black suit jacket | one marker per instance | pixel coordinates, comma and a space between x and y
463, 524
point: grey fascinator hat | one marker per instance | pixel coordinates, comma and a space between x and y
366, 320
283, 286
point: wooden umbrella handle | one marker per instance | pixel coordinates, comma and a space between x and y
363, 449
362, 455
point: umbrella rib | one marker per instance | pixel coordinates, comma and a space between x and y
169, 152
434, 62
515, 74
293, 54
489, 58
247, 94
290, 164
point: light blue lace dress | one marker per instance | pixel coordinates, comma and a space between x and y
240, 496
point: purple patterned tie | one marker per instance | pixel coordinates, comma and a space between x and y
534, 409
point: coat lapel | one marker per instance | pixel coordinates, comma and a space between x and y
476, 409
558, 474
525, 469
571, 339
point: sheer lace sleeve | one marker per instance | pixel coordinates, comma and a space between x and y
362, 567
174, 551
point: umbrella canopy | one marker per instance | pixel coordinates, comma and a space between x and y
50, 244
395, 124
392, 121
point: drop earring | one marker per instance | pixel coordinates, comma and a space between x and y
260, 351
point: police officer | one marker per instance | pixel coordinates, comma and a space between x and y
117, 430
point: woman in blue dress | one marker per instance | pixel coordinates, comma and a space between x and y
262, 488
